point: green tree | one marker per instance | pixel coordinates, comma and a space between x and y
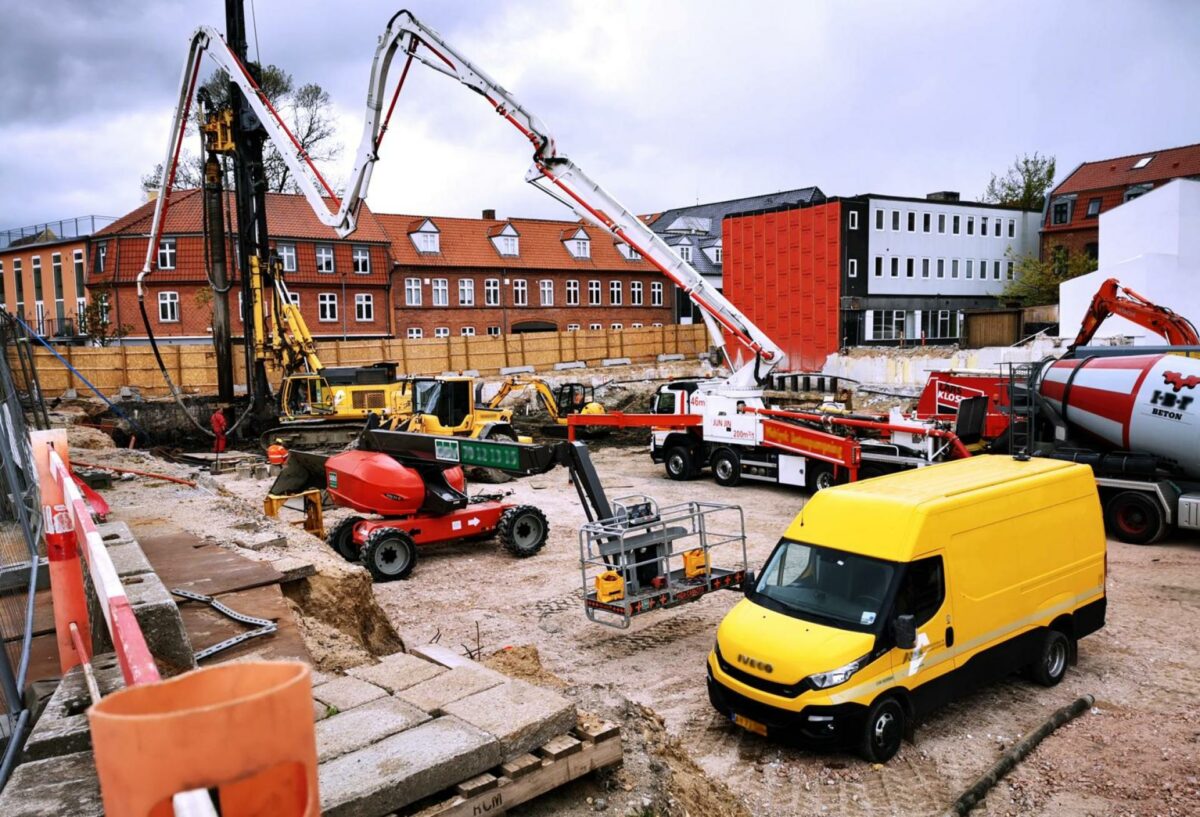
307, 110
1024, 184
95, 324
1036, 281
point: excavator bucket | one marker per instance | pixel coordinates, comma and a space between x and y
302, 472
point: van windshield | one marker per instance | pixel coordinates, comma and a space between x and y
824, 585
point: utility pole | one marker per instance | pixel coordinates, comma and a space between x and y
251, 199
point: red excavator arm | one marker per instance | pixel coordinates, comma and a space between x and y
1114, 299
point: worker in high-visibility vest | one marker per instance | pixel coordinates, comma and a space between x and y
277, 454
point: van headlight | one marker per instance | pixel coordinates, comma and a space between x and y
824, 680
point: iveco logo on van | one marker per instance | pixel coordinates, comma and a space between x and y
754, 663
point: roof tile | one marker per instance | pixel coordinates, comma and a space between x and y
1171, 163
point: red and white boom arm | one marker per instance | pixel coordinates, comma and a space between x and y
552, 172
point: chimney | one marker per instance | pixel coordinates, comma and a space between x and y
489, 215
943, 195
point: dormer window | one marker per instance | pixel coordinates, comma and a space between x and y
427, 238
684, 248
579, 244
713, 251
628, 252
505, 239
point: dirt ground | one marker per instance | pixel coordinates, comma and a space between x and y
1135, 753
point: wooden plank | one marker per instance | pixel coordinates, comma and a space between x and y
596, 730
185, 561
560, 747
520, 766
477, 785
206, 627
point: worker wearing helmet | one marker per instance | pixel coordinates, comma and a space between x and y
277, 454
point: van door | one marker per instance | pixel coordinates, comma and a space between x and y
924, 594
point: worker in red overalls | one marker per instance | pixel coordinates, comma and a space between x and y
219, 426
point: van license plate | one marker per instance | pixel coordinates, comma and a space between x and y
750, 726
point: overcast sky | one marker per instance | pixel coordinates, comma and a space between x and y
665, 103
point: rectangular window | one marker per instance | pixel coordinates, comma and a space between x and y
970, 225
879, 266
467, 331
878, 219
996, 270
324, 258
970, 268
1010, 270
3, 289
927, 222
79, 285
294, 297
19, 283
941, 268
166, 253
1012, 228
887, 324
656, 293
909, 267
716, 254
493, 331
954, 268
635, 293
982, 270
616, 327
101, 256
852, 220
852, 268
364, 307
983, 224
924, 267
635, 325
572, 327
954, 223
593, 293
595, 326
56, 272
997, 228
895, 267
614, 293
491, 292
287, 255
520, 290
412, 291
508, 245
415, 333
572, 293
941, 223
362, 260
168, 307
546, 293
327, 307
441, 331
912, 221
583, 249
895, 221
466, 292
427, 241
1060, 212
1093, 208
36, 271
441, 292
685, 252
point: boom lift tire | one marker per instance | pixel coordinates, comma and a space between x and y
341, 538
494, 476
523, 530
1053, 657
389, 554
1135, 518
727, 468
680, 463
883, 730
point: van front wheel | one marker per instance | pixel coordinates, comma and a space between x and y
882, 731
1051, 663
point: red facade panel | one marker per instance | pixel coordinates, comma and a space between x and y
783, 270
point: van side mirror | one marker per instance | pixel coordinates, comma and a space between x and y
904, 632
748, 583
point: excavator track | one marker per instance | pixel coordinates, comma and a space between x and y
312, 435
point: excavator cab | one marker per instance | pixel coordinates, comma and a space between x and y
573, 398
305, 395
444, 406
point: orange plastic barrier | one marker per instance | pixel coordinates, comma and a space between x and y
243, 729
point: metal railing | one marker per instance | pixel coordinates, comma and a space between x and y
20, 534
54, 230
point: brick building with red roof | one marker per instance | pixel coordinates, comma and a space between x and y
1072, 219
476, 276
341, 284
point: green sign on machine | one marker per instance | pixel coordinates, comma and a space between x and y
473, 452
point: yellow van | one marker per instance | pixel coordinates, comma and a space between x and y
889, 596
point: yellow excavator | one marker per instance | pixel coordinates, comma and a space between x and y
560, 402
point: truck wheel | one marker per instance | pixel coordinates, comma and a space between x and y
883, 730
819, 476
1051, 663
389, 554
727, 468
341, 538
680, 463
1135, 518
523, 530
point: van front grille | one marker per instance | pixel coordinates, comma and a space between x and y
771, 687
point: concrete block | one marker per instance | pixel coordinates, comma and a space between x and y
320, 711
397, 672
615, 361
70, 394
66, 784
244, 470
161, 624
470, 373
450, 686
261, 540
363, 725
570, 364
405, 767
346, 693
520, 715
517, 370
261, 470
668, 358
62, 727
442, 655
294, 568
128, 559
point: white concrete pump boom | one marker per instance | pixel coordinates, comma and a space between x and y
552, 172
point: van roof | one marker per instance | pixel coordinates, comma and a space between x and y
883, 509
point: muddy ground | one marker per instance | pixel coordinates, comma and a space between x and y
1136, 753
